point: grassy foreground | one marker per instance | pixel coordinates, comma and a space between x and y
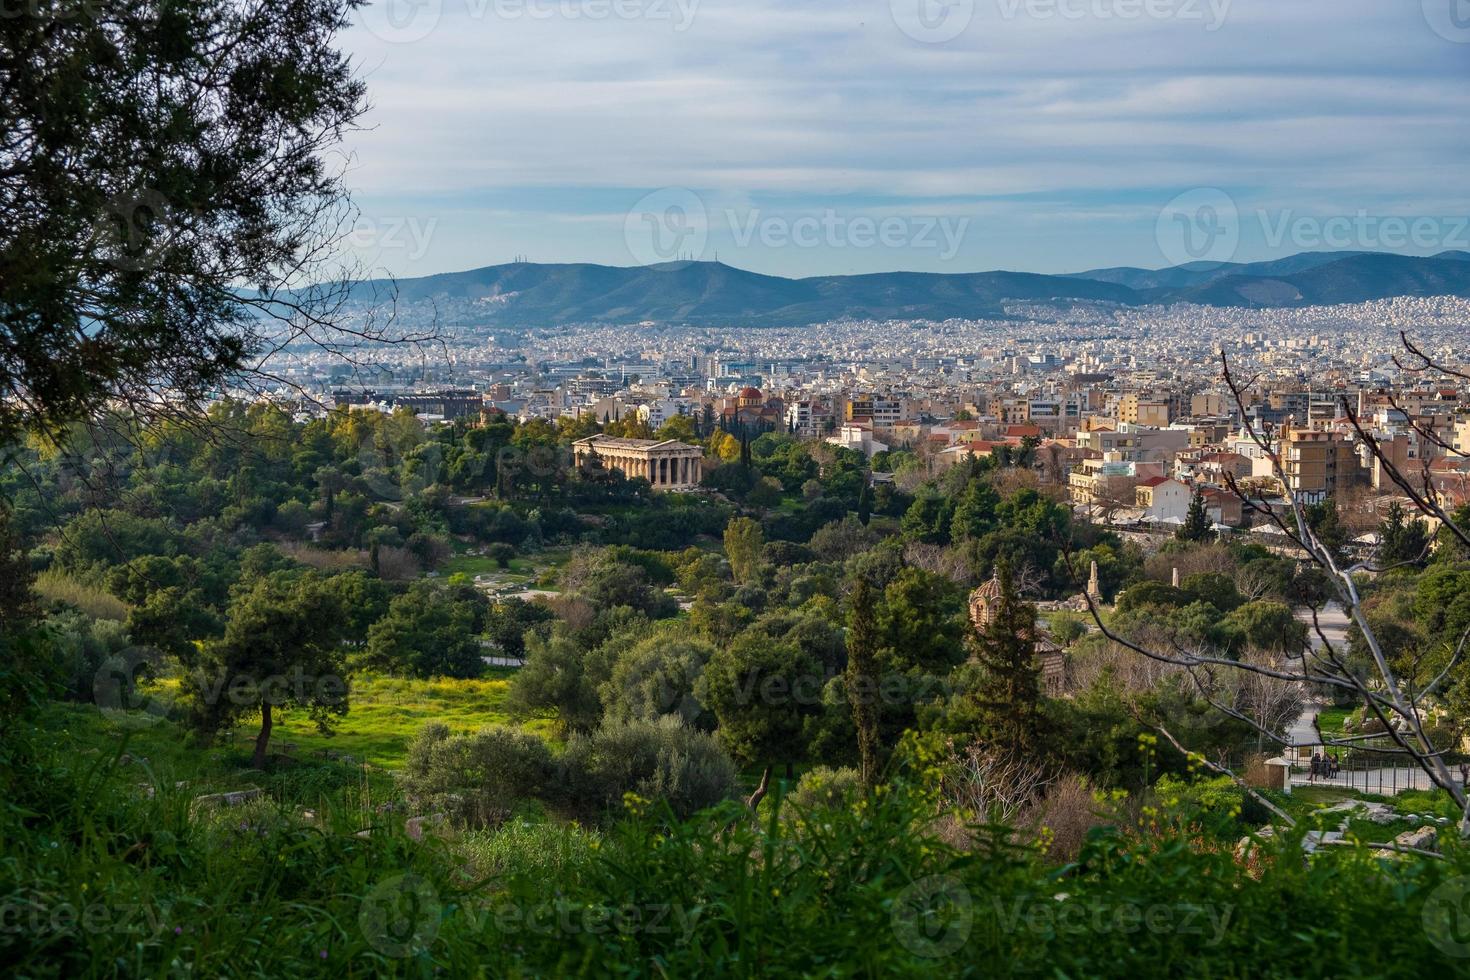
109, 867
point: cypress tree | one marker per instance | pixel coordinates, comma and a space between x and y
1008, 694
861, 677
1196, 525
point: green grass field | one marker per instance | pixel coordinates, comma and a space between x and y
386, 712
383, 714
1329, 720
473, 565
525, 567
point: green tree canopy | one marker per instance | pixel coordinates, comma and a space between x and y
157, 183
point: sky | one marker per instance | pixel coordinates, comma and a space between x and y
798, 138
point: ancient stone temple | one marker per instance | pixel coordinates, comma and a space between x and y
667, 464
1049, 656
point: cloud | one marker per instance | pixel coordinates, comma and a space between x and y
1064, 104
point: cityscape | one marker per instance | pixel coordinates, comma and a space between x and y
682, 488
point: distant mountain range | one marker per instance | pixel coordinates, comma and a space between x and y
710, 293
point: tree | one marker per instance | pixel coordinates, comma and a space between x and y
861, 678
157, 185
17, 602
173, 620
1007, 695
430, 631
761, 690
680, 427
555, 678
1401, 541
929, 517
656, 677
508, 622
919, 624
1265, 625
281, 649
1196, 526
974, 515
743, 543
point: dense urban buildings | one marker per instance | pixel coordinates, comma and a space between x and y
1124, 410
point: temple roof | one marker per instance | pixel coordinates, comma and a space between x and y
613, 442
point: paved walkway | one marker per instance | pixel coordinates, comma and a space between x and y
1333, 623
1303, 731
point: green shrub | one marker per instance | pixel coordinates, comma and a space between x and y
662, 761
477, 778
827, 788
501, 553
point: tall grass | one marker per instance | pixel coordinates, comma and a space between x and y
108, 866
57, 586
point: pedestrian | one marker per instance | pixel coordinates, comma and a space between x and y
1316, 767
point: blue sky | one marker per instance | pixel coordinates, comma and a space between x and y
801, 138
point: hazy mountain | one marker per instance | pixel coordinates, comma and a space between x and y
1356, 279
1200, 273
527, 294
711, 292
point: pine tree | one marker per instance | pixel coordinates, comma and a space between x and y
18, 606
1402, 541
861, 677
1008, 694
1196, 526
